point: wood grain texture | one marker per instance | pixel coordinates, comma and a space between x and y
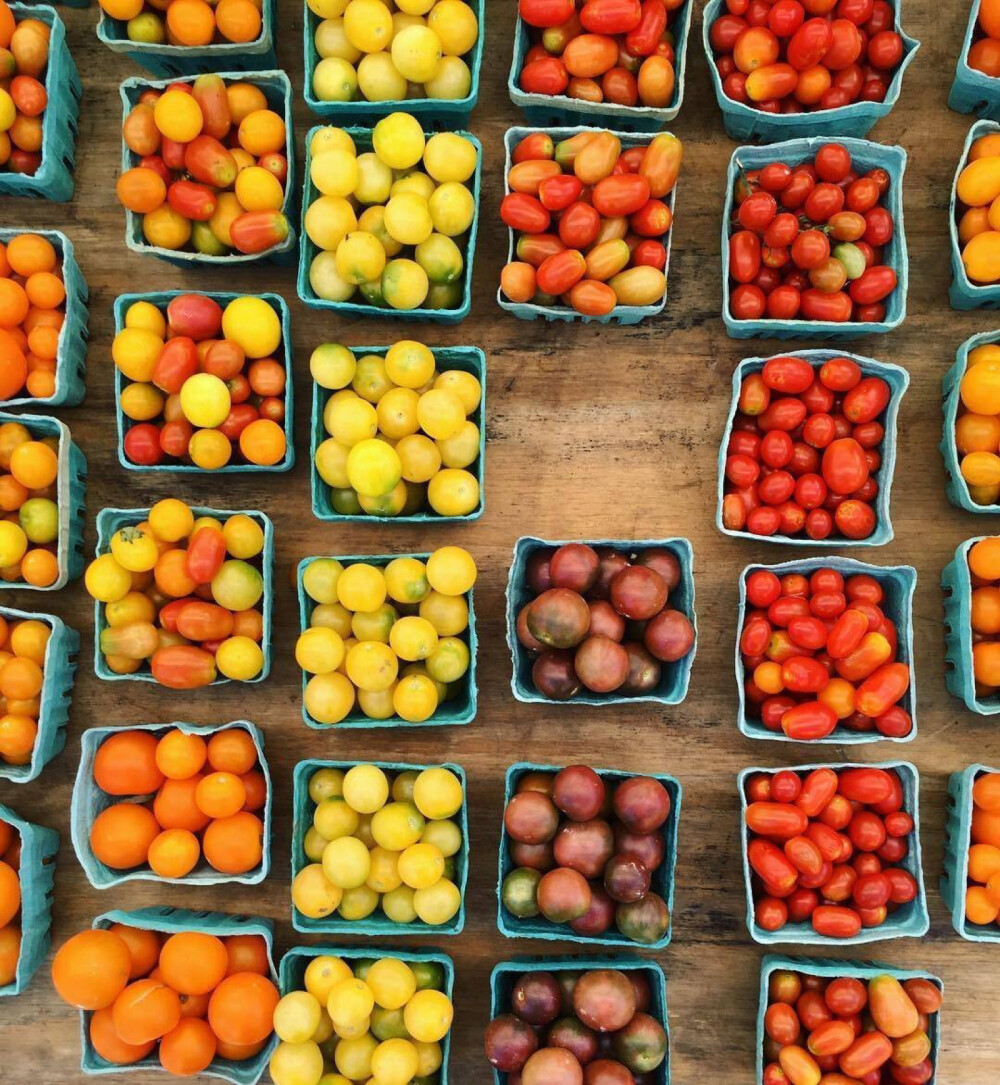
594, 431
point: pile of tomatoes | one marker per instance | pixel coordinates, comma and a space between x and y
805, 449
23, 645
984, 567
182, 596
211, 167
807, 241
205, 382
825, 847
593, 220
795, 56
821, 651
977, 195
984, 52
24, 57
29, 493
192, 23
190, 997
844, 1029
982, 897
977, 427
10, 903
32, 312
616, 51
205, 800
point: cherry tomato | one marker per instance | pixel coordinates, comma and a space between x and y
747, 302
545, 75
578, 227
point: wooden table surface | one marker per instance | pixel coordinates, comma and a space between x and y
594, 431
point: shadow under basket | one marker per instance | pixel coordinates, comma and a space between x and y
663, 882
973, 91
963, 293
959, 675
957, 840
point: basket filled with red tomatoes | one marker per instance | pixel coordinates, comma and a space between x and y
970, 884
831, 853
830, 483
975, 239
192, 36
589, 215
812, 240
976, 87
786, 68
825, 652
971, 586
203, 382
621, 61
208, 168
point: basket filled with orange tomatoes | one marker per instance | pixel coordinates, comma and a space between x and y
170, 989
970, 882
208, 168
182, 595
203, 382
173, 803
27, 872
617, 61
43, 318
971, 586
974, 223
970, 441
39, 105
183, 37
42, 474
976, 87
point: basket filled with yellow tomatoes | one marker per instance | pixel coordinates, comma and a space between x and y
974, 220
369, 58
172, 803
43, 320
970, 442
389, 220
183, 37
208, 168
398, 432
42, 473
976, 87
182, 595
39, 106
203, 382
388, 641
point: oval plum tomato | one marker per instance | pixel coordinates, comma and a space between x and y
757, 47
808, 44
844, 466
621, 195
874, 284
781, 229
563, 270
787, 374
725, 32
557, 193
592, 298
590, 55
537, 145
819, 306
747, 302
771, 81
544, 13
783, 302
578, 226
643, 38
744, 256
878, 226
611, 16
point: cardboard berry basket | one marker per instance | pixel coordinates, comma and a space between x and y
898, 380
53, 179
621, 314
58, 670
170, 61
957, 839
468, 360
973, 91
910, 920
110, 520
442, 113
170, 921
378, 924
161, 299
546, 110
963, 292
898, 582
865, 155
89, 801
278, 91
743, 122
663, 878
37, 875
959, 675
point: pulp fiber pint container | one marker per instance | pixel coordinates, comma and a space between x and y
957, 840
973, 91
963, 292
959, 673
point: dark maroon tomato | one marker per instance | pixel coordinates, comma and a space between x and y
645, 921
604, 1000
536, 998
601, 664
538, 576
559, 618
642, 804
531, 818
649, 847
563, 895
524, 633
744, 256
611, 563
573, 1036
747, 302
626, 878
534, 856
585, 846
578, 792
574, 566
509, 1042
669, 635
641, 1045
644, 671
553, 675
639, 592
664, 562
607, 1072
605, 621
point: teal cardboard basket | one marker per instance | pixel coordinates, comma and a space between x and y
898, 380
89, 801
37, 874
833, 969
53, 180
444, 113
955, 486
71, 352
865, 155
663, 878
957, 840
70, 493
908, 921
898, 583
972, 91
674, 678
468, 360
506, 974
963, 292
161, 299
278, 92
547, 110
308, 250
59, 670
170, 61
378, 924
744, 122
110, 520
959, 676
459, 710
621, 314
173, 921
